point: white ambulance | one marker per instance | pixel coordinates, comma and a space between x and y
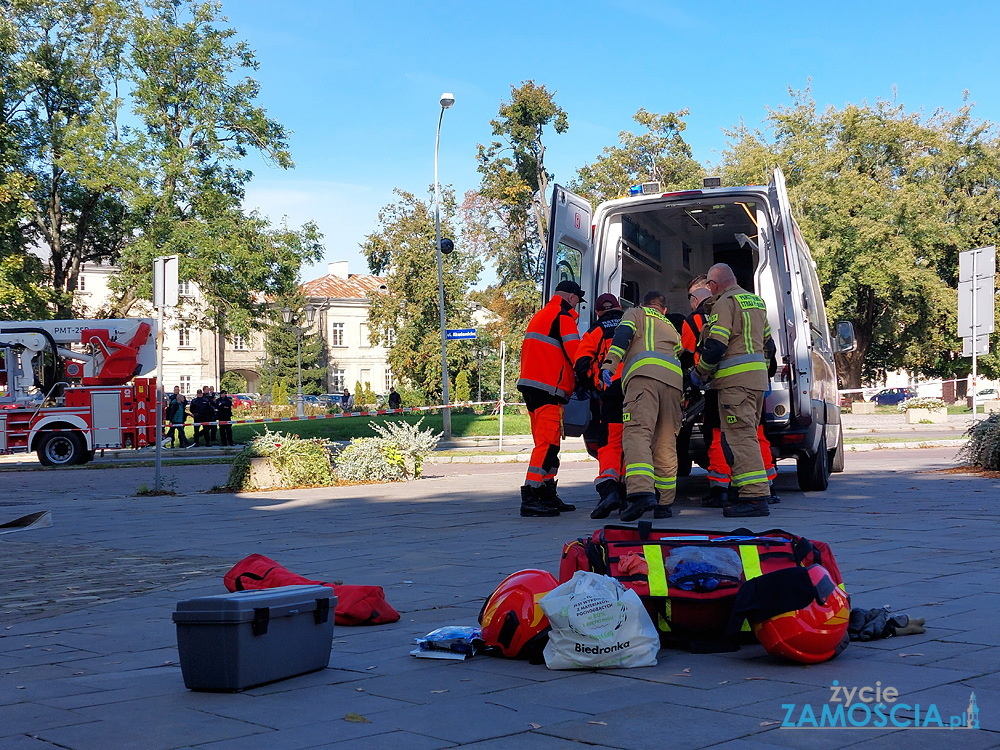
660, 241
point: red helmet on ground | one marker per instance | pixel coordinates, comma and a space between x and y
815, 633
511, 618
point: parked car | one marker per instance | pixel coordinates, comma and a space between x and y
893, 396
332, 399
310, 400
986, 394
241, 400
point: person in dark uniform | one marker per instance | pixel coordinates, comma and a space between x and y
224, 413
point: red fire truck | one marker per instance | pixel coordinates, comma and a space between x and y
70, 387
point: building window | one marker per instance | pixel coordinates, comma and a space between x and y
388, 380
364, 335
184, 289
336, 334
390, 337
184, 336
337, 380
81, 283
366, 378
239, 342
185, 384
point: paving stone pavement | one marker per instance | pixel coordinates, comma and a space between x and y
88, 654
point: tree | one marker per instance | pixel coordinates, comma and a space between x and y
24, 294
462, 387
406, 318
886, 199
65, 64
281, 344
367, 394
506, 220
660, 154
512, 200
233, 382
199, 121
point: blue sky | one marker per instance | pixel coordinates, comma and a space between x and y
359, 82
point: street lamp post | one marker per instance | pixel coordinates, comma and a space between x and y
446, 101
286, 316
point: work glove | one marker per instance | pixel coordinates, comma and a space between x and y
696, 380
607, 377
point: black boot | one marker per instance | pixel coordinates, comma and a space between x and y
532, 505
638, 504
550, 497
608, 490
747, 508
661, 511
774, 497
716, 498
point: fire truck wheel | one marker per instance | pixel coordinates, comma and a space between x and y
61, 449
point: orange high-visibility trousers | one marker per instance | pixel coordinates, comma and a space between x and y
720, 458
609, 455
546, 431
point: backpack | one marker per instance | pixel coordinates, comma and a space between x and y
688, 580
356, 605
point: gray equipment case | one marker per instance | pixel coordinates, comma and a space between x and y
230, 642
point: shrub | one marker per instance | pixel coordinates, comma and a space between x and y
983, 446
462, 391
924, 402
298, 462
407, 445
396, 455
364, 460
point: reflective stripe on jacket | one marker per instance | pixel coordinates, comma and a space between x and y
594, 345
550, 349
738, 321
647, 344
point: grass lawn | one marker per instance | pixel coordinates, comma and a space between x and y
345, 428
957, 410
914, 439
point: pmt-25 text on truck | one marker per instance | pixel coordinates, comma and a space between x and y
70, 387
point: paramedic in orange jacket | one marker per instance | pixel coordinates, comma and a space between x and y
547, 381
593, 349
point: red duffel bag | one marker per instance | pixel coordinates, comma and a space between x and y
690, 610
356, 605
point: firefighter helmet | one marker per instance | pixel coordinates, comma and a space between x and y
815, 633
511, 618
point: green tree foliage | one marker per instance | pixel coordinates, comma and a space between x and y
233, 382
367, 394
462, 387
505, 221
279, 393
87, 189
886, 200
24, 293
281, 346
62, 70
509, 217
359, 394
403, 252
201, 119
659, 154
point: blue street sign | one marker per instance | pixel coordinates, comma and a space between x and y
460, 333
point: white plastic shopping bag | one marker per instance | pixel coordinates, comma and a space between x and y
597, 622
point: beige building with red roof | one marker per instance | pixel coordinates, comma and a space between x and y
342, 300
193, 358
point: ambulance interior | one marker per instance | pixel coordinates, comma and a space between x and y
664, 247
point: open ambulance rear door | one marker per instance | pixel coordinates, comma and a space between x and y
569, 253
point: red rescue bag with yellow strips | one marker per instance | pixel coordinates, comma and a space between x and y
688, 579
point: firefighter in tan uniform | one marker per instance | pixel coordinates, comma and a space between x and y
733, 353
648, 345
